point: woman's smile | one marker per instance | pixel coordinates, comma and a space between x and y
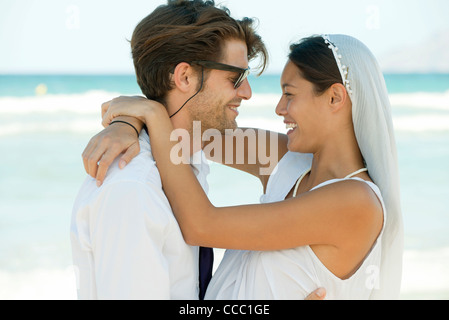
291, 127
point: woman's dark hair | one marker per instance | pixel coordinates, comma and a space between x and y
316, 63
186, 31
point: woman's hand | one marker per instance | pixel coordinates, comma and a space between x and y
108, 145
119, 138
136, 107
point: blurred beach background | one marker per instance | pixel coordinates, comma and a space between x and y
60, 60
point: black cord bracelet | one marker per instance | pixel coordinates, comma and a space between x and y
129, 124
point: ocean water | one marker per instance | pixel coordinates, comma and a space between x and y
46, 121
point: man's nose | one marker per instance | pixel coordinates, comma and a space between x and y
244, 91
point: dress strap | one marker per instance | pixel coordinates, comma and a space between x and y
357, 172
299, 182
305, 173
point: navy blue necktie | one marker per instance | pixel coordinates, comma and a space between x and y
205, 269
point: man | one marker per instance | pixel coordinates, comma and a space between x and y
126, 243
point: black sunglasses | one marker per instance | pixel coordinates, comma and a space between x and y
244, 73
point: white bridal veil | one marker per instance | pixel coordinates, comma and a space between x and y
374, 130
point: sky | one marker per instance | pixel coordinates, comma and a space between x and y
90, 37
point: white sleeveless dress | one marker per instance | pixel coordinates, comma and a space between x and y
290, 274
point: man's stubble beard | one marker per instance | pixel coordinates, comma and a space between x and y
212, 114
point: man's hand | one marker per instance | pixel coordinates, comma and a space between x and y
318, 294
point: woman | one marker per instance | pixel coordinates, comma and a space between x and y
331, 213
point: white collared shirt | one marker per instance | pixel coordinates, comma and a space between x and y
126, 242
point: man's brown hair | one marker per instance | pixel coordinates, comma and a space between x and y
186, 31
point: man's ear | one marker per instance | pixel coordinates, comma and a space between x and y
337, 96
184, 77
